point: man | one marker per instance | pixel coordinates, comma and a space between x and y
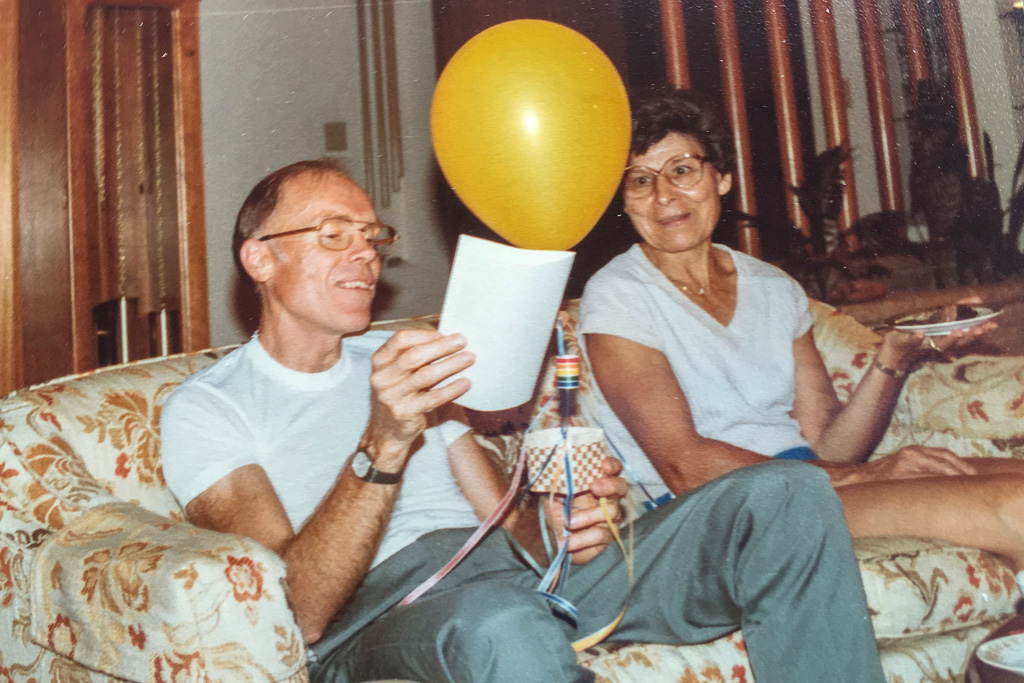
323, 442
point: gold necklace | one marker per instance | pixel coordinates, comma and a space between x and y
699, 291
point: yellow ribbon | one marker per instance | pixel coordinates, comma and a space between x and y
599, 635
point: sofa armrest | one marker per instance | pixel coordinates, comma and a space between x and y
132, 594
972, 405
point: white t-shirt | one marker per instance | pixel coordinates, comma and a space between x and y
738, 379
301, 428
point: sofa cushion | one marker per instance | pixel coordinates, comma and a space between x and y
972, 405
724, 659
936, 659
918, 586
846, 346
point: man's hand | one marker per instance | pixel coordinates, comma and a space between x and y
403, 384
911, 462
589, 532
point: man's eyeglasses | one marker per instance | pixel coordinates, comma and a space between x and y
338, 233
685, 172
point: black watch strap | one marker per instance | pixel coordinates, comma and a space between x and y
363, 468
375, 476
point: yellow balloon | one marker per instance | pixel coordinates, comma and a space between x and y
530, 124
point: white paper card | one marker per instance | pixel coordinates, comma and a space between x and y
504, 301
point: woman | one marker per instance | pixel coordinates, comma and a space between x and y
705, 361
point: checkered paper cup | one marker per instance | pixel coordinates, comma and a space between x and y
588, 449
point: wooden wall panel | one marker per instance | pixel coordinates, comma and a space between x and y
786, 115
833, 103
10, 290
195, 316
46, 289
456, 21
58, 244
963, 89
673, 37
735, 100
913, 40
883, 127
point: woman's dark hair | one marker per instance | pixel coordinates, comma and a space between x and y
665, 110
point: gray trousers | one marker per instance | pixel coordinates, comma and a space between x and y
764, 548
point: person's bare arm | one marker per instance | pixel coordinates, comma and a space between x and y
843, 436
481, 479
639, 385
848, 434
838, 434
641, 388
328, 558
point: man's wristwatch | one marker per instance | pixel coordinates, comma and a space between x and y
363, 468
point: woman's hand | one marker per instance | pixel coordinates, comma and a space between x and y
911, 462
902, 348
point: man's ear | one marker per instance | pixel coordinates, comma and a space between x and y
257, 260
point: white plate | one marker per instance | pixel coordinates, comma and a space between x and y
940, 329
1004, 653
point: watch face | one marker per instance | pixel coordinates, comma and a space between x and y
360, 464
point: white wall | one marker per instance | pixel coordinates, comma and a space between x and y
272, 75
997, 73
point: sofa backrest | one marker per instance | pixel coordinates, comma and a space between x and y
70, 443
76, 441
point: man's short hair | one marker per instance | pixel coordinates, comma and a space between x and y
263, 199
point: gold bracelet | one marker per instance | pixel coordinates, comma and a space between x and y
895, 373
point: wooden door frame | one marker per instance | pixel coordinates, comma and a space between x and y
191, 228
10, 279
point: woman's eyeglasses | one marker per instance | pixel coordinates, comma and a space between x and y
685, 172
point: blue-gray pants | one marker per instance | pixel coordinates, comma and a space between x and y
764, 548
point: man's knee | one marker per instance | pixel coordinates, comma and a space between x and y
796, 492
775, 480
484, 616
779, 472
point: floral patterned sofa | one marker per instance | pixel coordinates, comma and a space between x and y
100, 577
